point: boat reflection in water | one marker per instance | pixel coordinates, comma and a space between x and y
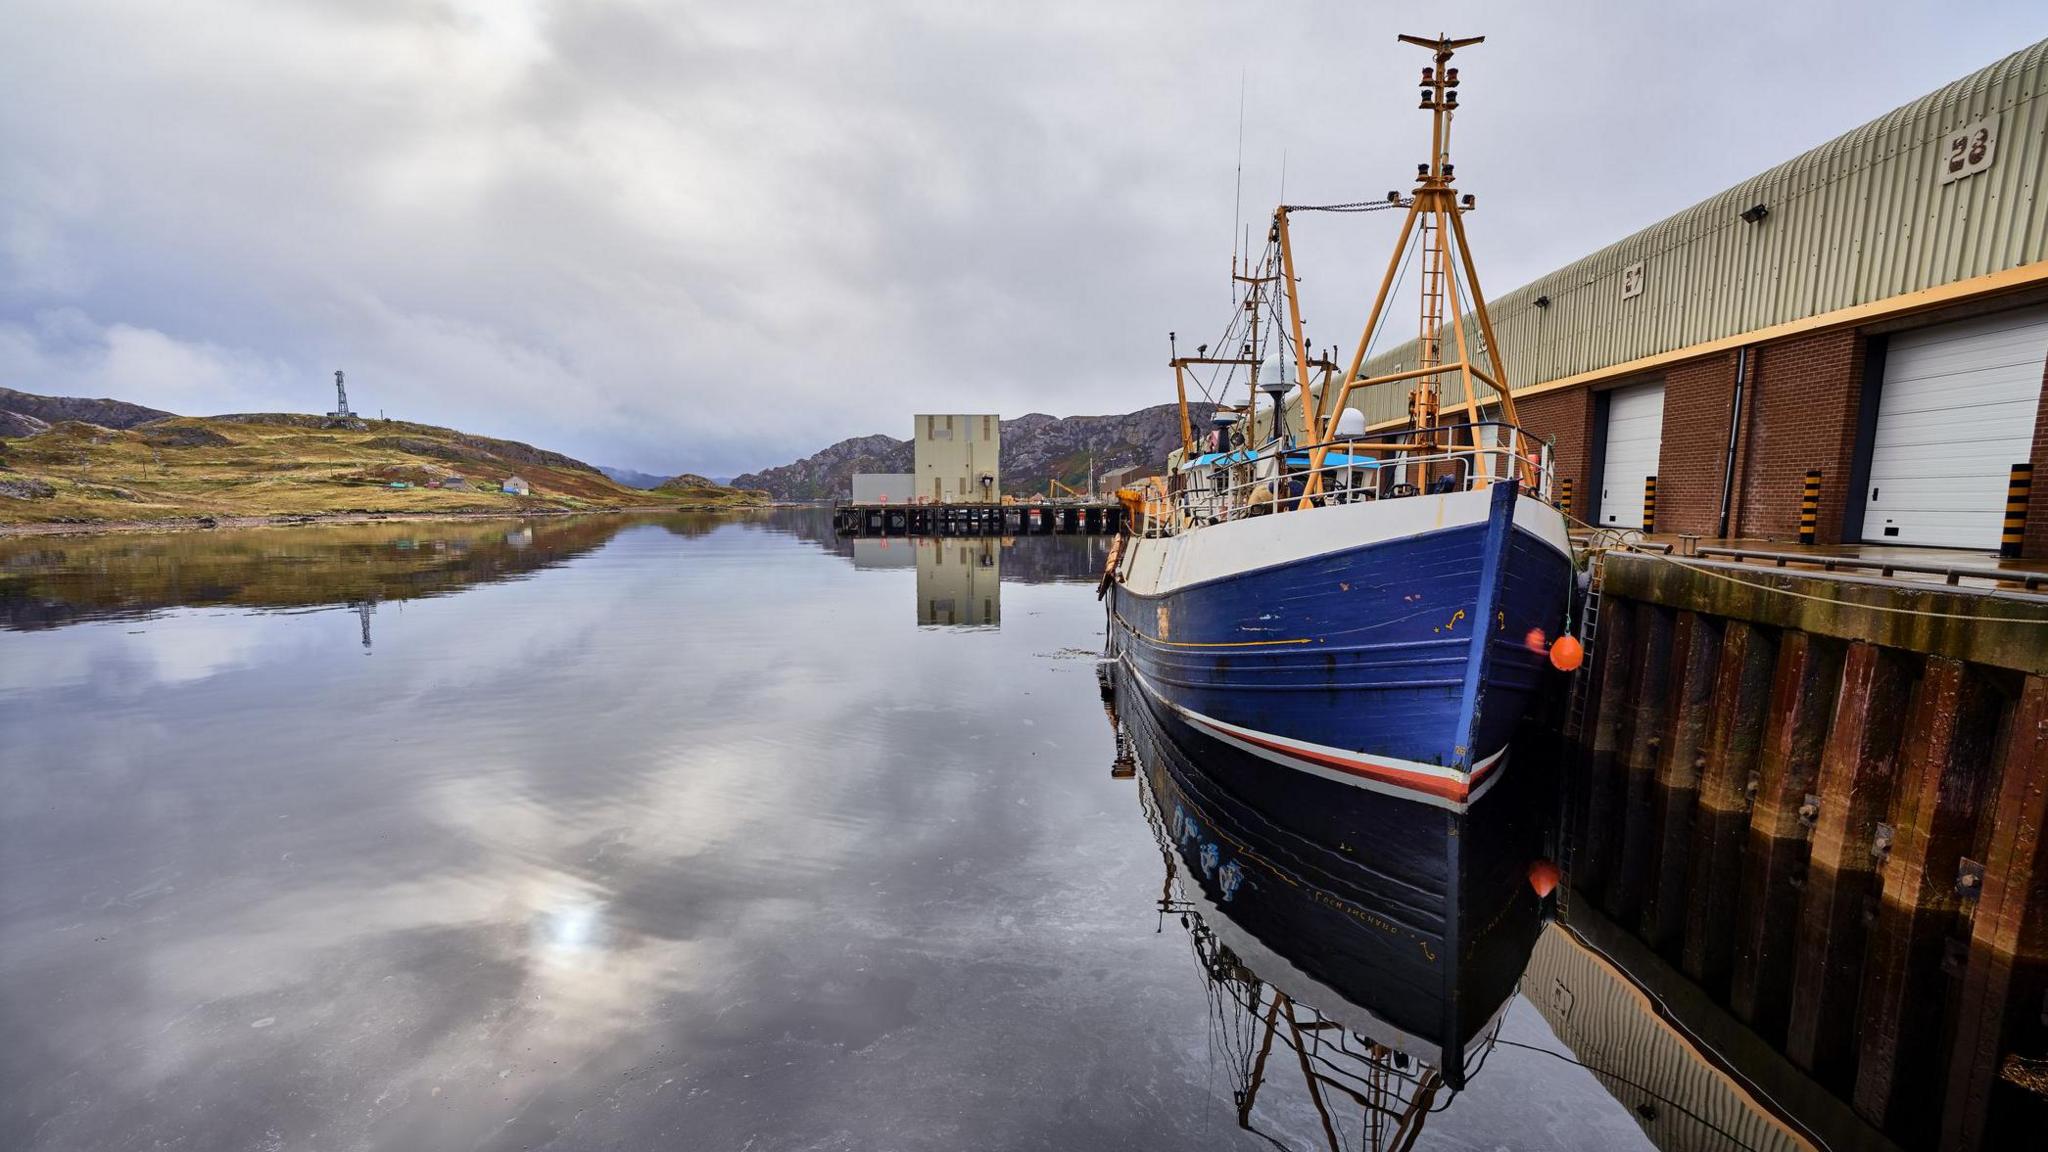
1380, 942
1325, 933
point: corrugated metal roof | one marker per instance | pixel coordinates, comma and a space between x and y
1859, 219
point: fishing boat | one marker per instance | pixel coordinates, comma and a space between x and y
1388, 963
1373, 607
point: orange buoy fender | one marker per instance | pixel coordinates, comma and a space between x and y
1543, 877
1566, 654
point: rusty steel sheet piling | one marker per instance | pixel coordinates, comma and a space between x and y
1844, 812
1824, 801
2008, 962
1721, 821
1676, 792
1774, 873
1642, 724
1925, 883
1602, 786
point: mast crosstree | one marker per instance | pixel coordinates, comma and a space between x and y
1435, 220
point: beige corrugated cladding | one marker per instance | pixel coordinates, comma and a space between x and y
1642, 1061
1858, 219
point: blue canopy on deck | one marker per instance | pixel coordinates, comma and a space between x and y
1332, 460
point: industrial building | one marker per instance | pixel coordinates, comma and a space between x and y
1124, 477
884, 487
956, 459
1874, 311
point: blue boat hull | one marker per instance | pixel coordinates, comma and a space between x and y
1408, 924
1402, 664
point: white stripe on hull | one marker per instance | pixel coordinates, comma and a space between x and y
1432, 784
1154, 566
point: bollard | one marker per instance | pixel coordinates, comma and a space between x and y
1564, 496
2017, 489
1809, 508
1649, 503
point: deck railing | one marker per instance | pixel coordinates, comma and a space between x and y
1281, 478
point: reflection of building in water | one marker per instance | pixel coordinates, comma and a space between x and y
883, 552
1680, 1099
959, 581
363, 610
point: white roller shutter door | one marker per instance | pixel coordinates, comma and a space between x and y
1635, 434
1955, 414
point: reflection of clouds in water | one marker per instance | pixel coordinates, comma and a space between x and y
690, 795
132, 656
569, 930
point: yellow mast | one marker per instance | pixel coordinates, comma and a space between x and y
1435, 210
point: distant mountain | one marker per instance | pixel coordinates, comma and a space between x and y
1036, 448
48, 410
632, 479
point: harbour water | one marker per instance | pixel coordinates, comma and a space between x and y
695, 832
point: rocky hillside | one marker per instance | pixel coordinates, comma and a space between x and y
828, 475
701, 491
24, 413
285, 464
1036, 448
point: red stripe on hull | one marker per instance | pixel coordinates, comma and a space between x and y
1453, 790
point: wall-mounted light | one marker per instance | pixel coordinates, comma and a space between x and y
1754, 214
1543, 301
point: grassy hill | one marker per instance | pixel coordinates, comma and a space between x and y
282, 464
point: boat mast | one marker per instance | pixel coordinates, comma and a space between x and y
1252, 301
1435, 212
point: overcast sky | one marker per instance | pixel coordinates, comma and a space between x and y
717, 236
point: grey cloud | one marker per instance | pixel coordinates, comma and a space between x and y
715, 236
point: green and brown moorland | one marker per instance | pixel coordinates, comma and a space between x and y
181, 468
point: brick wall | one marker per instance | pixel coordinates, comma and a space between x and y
1807, 392
1801, 403
2035, 546
1567, 418
1689, 465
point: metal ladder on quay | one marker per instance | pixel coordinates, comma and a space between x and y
1589, 630
1575, 712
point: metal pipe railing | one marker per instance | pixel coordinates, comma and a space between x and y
1953, 574
1354, 469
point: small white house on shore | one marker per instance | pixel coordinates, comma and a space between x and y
515, 486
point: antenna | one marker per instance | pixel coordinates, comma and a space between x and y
341, 411
1237, 204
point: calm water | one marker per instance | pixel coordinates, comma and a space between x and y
685, 833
